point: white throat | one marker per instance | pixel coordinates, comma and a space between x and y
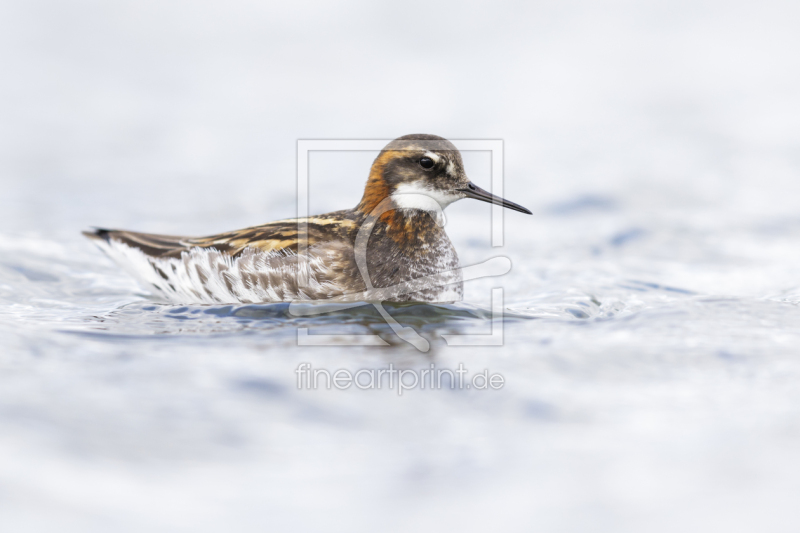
417, 195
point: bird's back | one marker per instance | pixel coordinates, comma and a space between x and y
252, 265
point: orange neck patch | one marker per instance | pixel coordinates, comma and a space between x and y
402, 229
377, 189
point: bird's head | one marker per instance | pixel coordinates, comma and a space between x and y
415, 170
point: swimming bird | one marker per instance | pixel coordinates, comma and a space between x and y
390, 247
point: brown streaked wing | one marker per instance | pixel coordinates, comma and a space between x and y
281, 235
276, 236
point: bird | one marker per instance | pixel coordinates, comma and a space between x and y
390, 247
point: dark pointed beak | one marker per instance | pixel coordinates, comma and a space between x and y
473, 191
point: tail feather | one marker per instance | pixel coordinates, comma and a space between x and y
98, 234
149, 244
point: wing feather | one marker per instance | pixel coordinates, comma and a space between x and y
279, 236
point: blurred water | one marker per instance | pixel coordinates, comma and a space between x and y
650, 345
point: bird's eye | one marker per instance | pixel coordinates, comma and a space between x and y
426, 163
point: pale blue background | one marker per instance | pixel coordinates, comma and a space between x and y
656, 142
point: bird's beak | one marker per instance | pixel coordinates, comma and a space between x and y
473, 191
